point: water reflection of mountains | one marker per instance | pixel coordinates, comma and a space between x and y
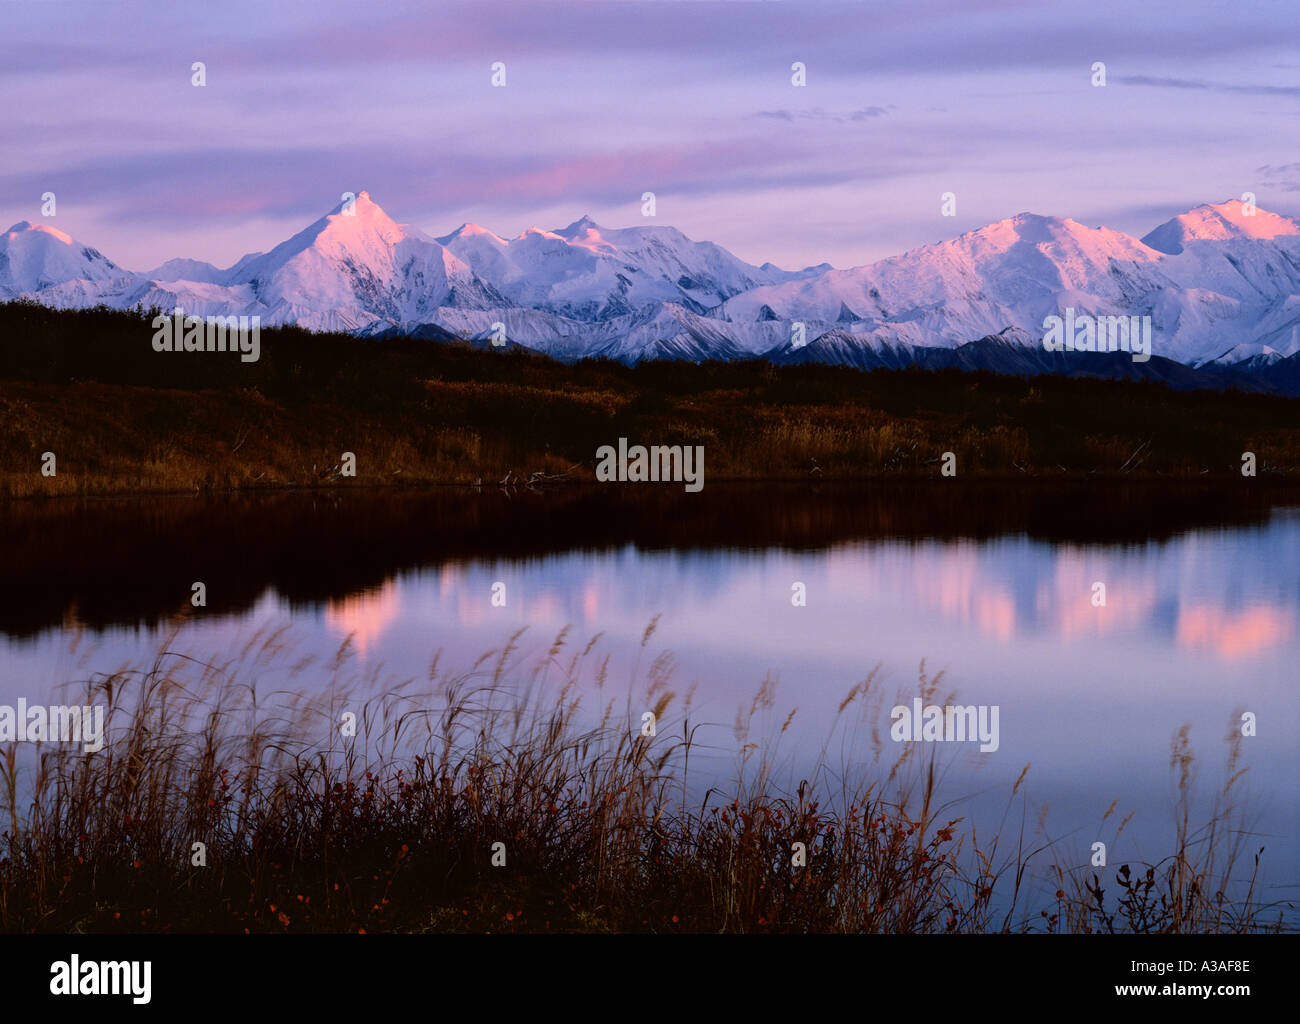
114, 562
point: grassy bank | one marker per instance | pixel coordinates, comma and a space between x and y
602, 828
120, 418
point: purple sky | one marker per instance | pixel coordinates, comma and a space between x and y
690, 99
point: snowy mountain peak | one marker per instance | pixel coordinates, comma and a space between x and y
186, 270
362, 204
580, 226
586, 233
1036, 220
359, 231
1219, 222
1037, 229
352, 268
649, 291
34, 257
470, 230
362, 211
589, 273
1029, 239
26, 226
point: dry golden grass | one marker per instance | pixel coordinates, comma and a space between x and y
604, 828
87, 386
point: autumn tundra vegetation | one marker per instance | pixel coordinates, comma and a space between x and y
531, 798
121, 418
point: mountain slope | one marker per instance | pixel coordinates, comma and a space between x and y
1214, 295
1222, 289
1218, 222
586, 272
348, 270
34, 257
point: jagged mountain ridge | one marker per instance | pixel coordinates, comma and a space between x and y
586, 272
1222, 288
1238, 294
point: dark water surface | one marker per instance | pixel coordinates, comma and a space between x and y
993, 584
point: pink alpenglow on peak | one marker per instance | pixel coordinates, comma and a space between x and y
585, 233
468, 230
540, 233
34, 257
26, 225
1218, 284
1219, 222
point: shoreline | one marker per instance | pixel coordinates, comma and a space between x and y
1272, 482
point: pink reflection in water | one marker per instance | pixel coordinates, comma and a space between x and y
366, 616
1232, 634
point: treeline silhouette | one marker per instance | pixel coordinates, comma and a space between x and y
122, 418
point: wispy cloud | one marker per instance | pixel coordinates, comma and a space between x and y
1284, 177
691, 99
1197, 83
817, 114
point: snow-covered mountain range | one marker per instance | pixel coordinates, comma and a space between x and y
1222, 288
